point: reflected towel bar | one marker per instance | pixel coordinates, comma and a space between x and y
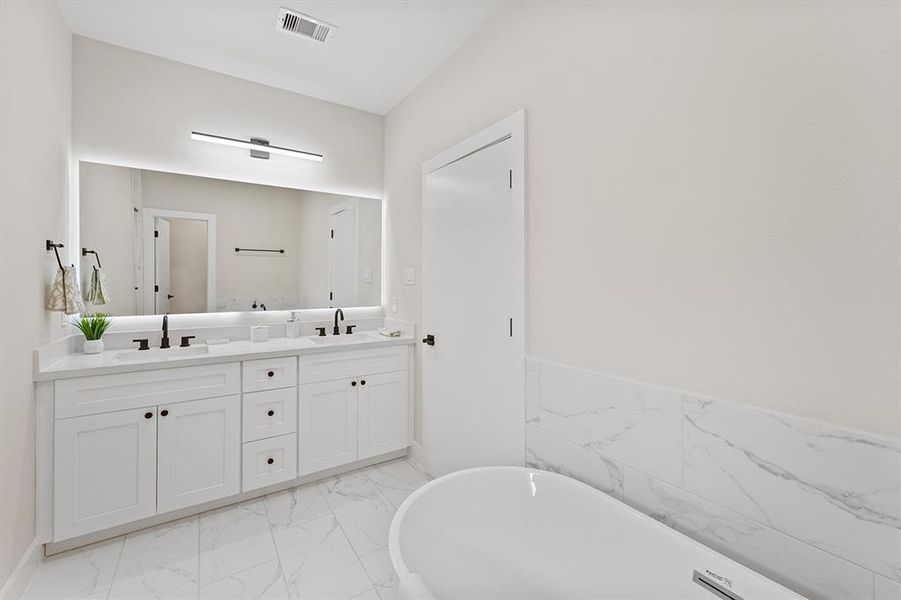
280, 250
85, 252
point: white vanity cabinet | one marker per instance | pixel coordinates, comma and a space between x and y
105, 471
354, 406
328, 425
381, 413
198, 452
125, 450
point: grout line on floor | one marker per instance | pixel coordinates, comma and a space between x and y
112, 580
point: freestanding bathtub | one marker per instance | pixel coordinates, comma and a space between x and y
508, 532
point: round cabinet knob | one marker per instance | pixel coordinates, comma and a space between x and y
271, 373
164, 412
270, 461
353, 383
148, 415
271, 413
363, 382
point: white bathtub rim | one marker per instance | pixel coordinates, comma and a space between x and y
407, 576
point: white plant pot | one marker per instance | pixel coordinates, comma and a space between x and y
93, 346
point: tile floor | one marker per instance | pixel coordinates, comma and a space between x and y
318, 541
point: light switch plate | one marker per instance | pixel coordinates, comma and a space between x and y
409, 276
394, 304
367, 275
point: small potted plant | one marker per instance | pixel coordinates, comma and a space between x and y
93, 327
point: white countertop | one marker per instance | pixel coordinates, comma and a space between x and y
123, 361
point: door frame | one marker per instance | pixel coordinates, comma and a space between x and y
148, 220
512, 128
353, 203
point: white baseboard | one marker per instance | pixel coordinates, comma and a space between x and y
18, 581
417, 457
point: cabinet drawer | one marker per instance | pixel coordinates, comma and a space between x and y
269, 461
270, 374
328, 366
107, 393
270, 413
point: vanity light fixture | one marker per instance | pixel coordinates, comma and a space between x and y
259, 148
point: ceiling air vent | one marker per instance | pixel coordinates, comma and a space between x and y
303, 25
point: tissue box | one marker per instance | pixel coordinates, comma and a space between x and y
259, 333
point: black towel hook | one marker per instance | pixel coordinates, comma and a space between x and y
85, 252
51, 245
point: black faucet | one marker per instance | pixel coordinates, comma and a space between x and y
164, 342
337, 330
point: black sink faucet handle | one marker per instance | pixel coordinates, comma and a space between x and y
350, 329
186, 341
321, 331
144, 343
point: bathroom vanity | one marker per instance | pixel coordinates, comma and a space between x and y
128, 439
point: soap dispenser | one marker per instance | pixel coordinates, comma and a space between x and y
293, 326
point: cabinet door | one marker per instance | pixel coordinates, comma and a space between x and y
104, 471
382, 412
328, 425
199, 451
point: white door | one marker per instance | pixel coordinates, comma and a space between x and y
104, 471
382, 414
473, 304
343, 258
328, 424
199, 451
161, 266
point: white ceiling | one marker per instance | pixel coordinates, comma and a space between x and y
380, 51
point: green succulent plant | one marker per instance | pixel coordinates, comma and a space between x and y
93, 326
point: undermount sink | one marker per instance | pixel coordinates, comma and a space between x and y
157, 354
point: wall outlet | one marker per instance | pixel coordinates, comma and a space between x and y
409, 276
367, 275
394, 304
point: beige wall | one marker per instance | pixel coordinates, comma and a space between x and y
188, 245
247, 216
35, 119
713, 192
107, 225
138, 110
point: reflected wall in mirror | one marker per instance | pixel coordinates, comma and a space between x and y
166, 243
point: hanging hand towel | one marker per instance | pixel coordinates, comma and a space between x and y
64, 294
98, 291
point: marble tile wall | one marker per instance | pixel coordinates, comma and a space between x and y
813, 506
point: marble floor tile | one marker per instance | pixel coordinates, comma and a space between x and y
362, 510
160, 562
369, 594
318, 561
80, 573
886, 589
233, 539
347, 489
396, 480
262, 582
381, 572
295, 506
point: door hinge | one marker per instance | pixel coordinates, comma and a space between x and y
511, 179
333, 234
156, 233
156, 288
